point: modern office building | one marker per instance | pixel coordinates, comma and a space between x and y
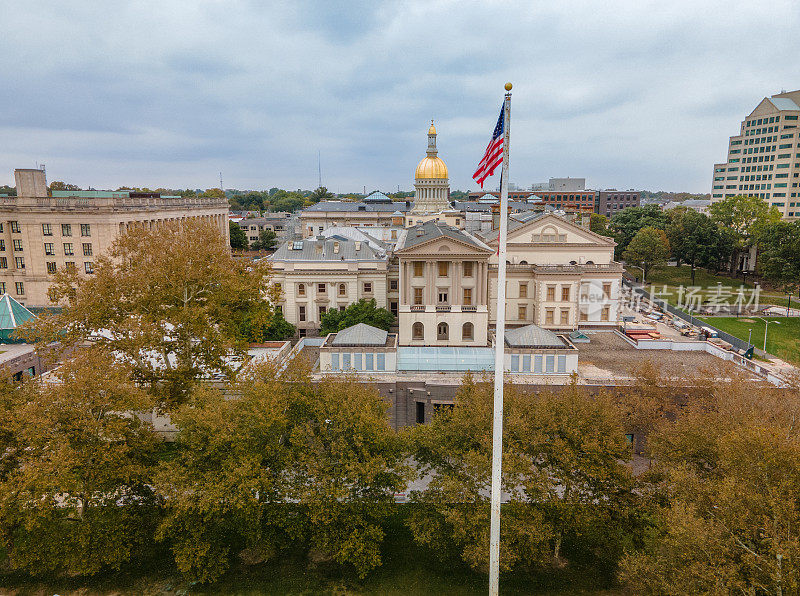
41, 232
764, 157
612, 201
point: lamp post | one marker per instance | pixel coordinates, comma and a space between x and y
749, 336
766, 328
642, 268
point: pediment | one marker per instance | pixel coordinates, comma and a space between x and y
443, 245
551, 229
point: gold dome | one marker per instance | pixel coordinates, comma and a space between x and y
432, 129
431, 167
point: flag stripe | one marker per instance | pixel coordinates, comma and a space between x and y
494, 153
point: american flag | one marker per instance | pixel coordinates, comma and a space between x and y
494, 153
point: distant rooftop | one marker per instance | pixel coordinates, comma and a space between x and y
360, 334
350, 206
434, 229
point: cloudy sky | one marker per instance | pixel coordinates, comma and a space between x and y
169, 93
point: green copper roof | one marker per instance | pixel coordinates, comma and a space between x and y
12, 315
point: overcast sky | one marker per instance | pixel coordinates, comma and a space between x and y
627, 94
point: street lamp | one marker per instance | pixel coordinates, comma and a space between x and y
642, 268
749, 336
766, 328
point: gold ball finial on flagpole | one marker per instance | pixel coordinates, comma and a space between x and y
508, 86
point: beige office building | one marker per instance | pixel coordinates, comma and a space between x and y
764, 158
40, 234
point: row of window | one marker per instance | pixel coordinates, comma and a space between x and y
47, 229
49, 248
443, 267
542, 363
443, 296
322, 288
360, 361
52, 267
19, 288
443, 331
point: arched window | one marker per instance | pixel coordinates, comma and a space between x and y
523, 262
418, 331
442, 331
467, 331
342, 290
590, 262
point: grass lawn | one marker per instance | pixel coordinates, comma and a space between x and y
783, 340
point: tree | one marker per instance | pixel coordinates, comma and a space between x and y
286, 201
238, 236
320, 194
363, 311
170, 301
696, 240
288, 464
599, 224
745, 217
213, 192
627, 223
568, 490
725, 486
79, 497
267, 240
276, 328
59, 185
779, 259
648, 249
8, 190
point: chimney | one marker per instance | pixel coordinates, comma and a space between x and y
31, 183
495, 216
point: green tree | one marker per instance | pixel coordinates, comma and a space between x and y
267, 240
79, 499
8, 190
288, 464
569, 492
59, 185
320, 194
648, 249
745, 217
627, 223
599, 224
726, 482
213, 192
363, 311
696, 240
238, 236
286, 201
779, 256
170, 300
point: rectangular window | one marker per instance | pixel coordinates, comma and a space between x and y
2, 287
537, 364
88, 267
49, 249
443, 268
467, 296
514, 362
19, 262
2, 244
15, 229
564, 317
419, 268
334, 360
607, 290
322, 288
18, 245
368, 361
346, 361
418, 295
549, 316
3, 263
302, 313
604, 314
562, 363
522, 312
86, 230
301, 289
584, 316
381, 361
87, 249
357, 361
66, 229
526, 363
47, 230
420, 412
20, 288
393, 284
551, 293
443, 297
467, 266
51, 266
368, 287
523, 289
565, 293
549, 363
68, 249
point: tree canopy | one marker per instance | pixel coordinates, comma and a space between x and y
648, 249
238, 236
779, 259
627, 223
363, 311
696, 240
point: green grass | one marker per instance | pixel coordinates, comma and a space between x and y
783, 340
682, 276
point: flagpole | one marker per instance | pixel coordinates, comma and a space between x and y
499, 360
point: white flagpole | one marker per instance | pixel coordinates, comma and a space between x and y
499, 360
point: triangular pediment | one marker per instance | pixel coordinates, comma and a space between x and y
552, 229
443, 246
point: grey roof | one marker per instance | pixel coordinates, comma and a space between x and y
360, 334
487, 207
351, 233
434, 229
350, 206
377, 197
784, 103
323, 249
533, 336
